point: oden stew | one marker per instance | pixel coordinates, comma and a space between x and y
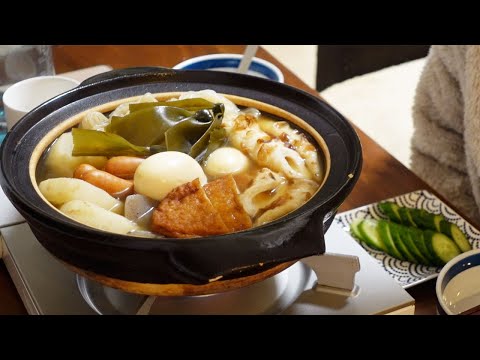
191, 166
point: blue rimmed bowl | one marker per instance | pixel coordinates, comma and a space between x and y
229, 63
458, 285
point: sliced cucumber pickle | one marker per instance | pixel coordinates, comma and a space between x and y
368, 229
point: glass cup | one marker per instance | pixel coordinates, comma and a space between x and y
19, 62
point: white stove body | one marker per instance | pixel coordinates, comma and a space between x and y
47, 287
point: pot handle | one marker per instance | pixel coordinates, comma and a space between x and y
316, 229
116, 73
296, 240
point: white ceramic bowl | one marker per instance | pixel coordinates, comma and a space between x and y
229, 63
25, 95
458, 284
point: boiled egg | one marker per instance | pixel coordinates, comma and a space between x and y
226, 161
157, 175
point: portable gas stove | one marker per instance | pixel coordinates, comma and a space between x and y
346, 280
351, 281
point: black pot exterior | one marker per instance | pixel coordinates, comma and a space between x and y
186, 261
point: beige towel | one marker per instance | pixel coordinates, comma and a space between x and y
446, 117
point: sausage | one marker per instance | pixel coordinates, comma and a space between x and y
115, 186
123, 166
82, 169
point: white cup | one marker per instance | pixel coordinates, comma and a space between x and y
24, 96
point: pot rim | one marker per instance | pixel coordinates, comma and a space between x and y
69, 123
139, 240
333, 127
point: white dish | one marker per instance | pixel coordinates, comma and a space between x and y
406, 273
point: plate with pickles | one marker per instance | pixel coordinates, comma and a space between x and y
412, 235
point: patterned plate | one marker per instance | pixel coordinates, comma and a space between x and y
406, 273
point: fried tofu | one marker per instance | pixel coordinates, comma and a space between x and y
223, 194
190, 210
187, 212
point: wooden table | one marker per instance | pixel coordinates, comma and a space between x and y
382, 175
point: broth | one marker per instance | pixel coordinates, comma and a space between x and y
264, 168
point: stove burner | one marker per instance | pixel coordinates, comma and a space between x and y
271, 296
